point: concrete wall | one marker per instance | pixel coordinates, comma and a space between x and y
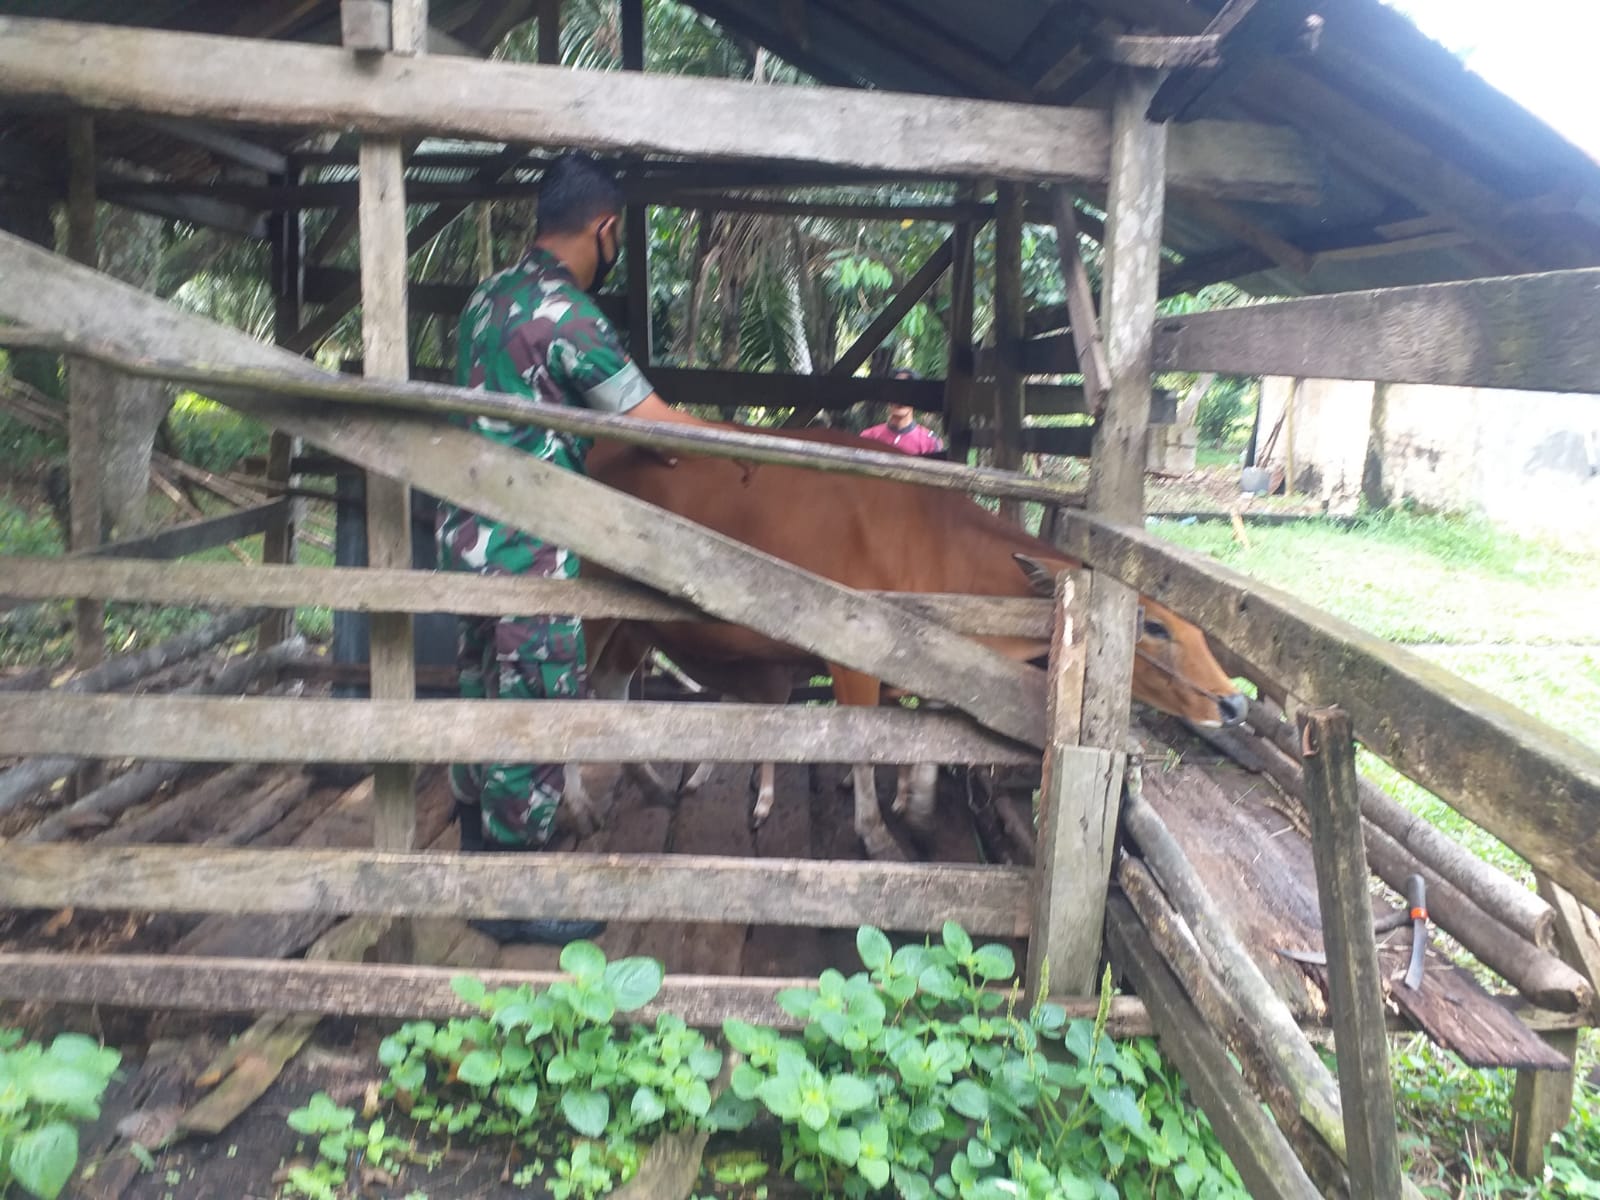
1528, 459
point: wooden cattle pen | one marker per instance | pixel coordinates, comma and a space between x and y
1379, 192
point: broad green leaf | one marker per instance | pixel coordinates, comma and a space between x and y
876, 1172
480, 1068
471, 991
797, 1002
517, 1015
874, 948
647, 1106
847, 1093
634, 982
742, 1036
994, 962
957, 942
1187, 1178
912, 1185
706, 1061
393, 1051
593, 1002
979, 1154
560, 1070
745, 1081
925, 1119
814, 1112
43, 1159
731, 1112
781, 1096
409, 1076
584, 961
66, 1085
1120, 1106
87, 1053
694, 1098
970, 1100
521, 1097
587, 1112
515, 1058
842, 1144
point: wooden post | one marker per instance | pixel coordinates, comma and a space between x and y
1077, 798
1128, 300
1541, 1103
1010, 316
1355, 983
86, 398
636, 220
550, 33
384, 321
286, 230
84, 450
959, 364
1086, 338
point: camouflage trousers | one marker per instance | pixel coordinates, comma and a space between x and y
512, 658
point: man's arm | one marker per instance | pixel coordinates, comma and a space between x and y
654, 408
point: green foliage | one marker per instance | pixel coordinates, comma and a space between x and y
340, 1143
24, 532
43, 1093
24, 448
917, 1072
1456, 1132
537, 1061
209, 435
1224, 409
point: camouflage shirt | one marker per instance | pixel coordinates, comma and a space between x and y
532, 331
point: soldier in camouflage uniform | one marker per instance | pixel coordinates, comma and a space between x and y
533, 330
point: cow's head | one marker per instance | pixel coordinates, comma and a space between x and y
1173, 667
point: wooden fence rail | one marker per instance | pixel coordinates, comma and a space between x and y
987, 901
369, 589
1536, 789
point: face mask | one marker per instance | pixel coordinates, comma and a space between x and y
603, 265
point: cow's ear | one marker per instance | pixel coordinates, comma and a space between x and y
1039, 575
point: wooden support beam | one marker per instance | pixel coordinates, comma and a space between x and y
988, 901
1245, 33
87, 398
1535, 789
385, 332
1134, 211
207, 533
1531, 331
163, 982
366, 589
722, 577
1010, 310
283, 83
1076, 792
222, 143
1541, 1106
885, 323
447, 731
960, 356
1156, 53
1355, 980
287, 236
636, 218
1087, 340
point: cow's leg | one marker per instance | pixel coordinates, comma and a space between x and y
915, 795
766, 793
862, 691
613, 662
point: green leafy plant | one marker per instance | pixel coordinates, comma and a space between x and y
43, 1092
918, 1073
340, 1141
533, 1061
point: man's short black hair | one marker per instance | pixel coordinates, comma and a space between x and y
574, 190
903, 373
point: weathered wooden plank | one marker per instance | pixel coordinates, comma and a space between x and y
369, 589
1257, 1147
1009, 313
192, 537
1087, 340
1078, 803
385, 330
1527, 331
366, 990
1355, 984
445, 731
282, 83
626, 535
1541, 1106
1534, 788
991, 901
244, 382
88, 400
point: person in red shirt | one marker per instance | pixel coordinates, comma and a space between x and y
902, 430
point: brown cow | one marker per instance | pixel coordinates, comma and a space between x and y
869, 534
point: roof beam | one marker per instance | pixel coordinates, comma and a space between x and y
1245, 33
105, 67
